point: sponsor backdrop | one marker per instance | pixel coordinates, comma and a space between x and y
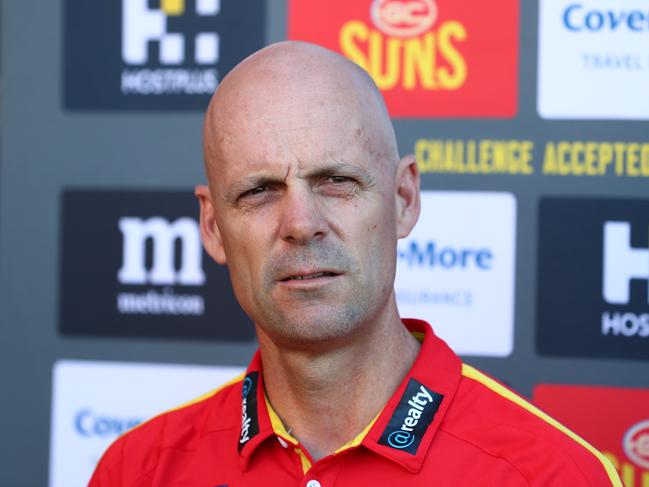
530, 125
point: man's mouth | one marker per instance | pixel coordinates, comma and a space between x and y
305, 277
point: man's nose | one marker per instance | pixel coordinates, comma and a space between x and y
302, 218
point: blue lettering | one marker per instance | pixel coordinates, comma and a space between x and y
87, 424
431, 255
566, 17
635, 19
483, 259
614, 20
599, 20
577, 20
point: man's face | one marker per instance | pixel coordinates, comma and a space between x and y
308, 232
306, 217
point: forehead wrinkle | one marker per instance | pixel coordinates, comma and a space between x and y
320, 88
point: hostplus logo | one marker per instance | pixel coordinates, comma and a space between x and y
622, 264
593, 277
155, 54
185, 62
168, 241
412, 417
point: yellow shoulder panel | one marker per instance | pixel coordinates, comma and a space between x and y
471, 373
198, 399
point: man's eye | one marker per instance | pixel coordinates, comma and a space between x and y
254, 191
339, 179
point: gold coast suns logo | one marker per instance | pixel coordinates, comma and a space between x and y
403, 46
636, 444
403, 19
428, 57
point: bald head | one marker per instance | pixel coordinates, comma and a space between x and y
305, 180
276, 95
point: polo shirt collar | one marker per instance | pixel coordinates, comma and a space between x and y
405, 428
402, 432
256, 425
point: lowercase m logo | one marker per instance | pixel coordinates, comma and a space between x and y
136, 231
137, 269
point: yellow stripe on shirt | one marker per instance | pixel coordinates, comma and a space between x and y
471, 373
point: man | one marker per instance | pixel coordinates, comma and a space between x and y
306, 200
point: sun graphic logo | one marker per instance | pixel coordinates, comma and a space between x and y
405, 19
636, 444
429, 58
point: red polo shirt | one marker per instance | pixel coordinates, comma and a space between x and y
446, 425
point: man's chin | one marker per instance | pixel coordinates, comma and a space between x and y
314, 326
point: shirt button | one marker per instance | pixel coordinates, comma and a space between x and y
313, 483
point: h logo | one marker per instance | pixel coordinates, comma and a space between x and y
141, 25
622, 262
136, 231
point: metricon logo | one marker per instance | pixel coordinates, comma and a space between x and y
149, 273
163, 234
136, 231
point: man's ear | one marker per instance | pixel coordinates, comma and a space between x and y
210, 234
408, 202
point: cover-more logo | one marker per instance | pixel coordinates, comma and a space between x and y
95, 402
428, 57
593, 277
456, 269
593, 59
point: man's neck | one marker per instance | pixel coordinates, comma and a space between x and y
327, 397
